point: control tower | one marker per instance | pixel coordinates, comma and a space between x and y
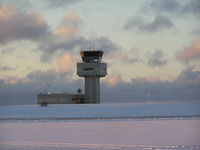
92, 69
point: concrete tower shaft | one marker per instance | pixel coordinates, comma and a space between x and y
92, 69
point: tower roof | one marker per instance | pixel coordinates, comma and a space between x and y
91, 56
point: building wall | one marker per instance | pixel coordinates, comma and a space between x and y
60, 98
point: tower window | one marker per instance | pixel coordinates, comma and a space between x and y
88, 69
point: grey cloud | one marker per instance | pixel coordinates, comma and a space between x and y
20, 25
157, 59
105, 44
23, 26
171, 6
60, 3
2, 82
189, 76
28, 4
6, 50
6, 68
174, 7
52, 81
184, 89
159, 23
48, 76
129, 57
192, 7
25, 92
19, 3
22, 4
195, 32
53, 44
134, 22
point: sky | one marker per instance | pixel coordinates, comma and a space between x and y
152, 48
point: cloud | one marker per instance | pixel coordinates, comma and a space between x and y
195, 32
171, 6
6, 50
56, 44
159, 23
16, 25
174, 7
66, 30
50, 45
66, 62
113, 80
6, 68
18, 91
63, 39
60, 3
105, 44
189, 53
70, 25
12, 80
185, 88
66, 39
192, 7
189, 76
157, 59
129, 57
49, 77
22, 4
49, 4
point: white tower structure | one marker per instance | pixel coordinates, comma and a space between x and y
92, 69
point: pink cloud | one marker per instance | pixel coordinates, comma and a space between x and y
190, 52
7, 11
66, 62
152, 79
113, 80
66, 30
72, 16
13, 79
69, 26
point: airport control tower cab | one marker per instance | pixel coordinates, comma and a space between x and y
92, 69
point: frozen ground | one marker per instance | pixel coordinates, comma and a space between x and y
101, 134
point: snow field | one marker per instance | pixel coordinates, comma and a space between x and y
124, 134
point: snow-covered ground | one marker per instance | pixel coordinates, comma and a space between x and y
104, 126
100, 111
104, 134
